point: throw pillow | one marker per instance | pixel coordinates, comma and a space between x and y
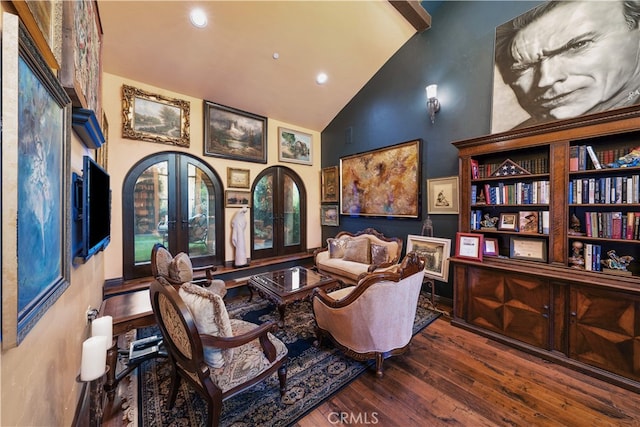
163, 259
379, 254
336, 247
358, 250
180, 268
211, 318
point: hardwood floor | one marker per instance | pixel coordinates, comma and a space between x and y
452, 377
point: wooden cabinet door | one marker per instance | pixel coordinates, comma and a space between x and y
605, 330
513, 305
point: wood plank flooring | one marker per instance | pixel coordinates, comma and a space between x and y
452, 377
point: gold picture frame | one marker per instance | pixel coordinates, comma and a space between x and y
43, 19
329, 184
237, 199
151, 117
238, 178
442, 195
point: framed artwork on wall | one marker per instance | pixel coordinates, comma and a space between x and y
329, 215
442, 195
36, 119
525, 92
151, 117
435, 252
295, 146
81, 68
234, 134
238, 178
383, 182
43, 20
237, 199
329, 184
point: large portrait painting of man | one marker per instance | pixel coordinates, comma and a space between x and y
565, 59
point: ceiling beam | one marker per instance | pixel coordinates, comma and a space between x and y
414, 13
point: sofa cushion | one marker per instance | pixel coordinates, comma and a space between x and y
379, 254
337, 247
211, 318
357, 250
163, 260
180, 268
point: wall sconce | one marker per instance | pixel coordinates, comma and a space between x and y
433, 105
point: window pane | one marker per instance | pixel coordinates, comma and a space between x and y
263, 213
291, 212
202, 219
150, 210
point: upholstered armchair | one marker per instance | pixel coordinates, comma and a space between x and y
373, 319
179, 269
219, 357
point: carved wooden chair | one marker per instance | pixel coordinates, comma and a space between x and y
373, 319
218, 356
178, 270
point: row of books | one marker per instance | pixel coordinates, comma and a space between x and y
592, 257
607, 190
584, 157
518, 193
613, 225
522, 222
538, 165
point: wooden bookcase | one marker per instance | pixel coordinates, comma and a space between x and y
535, 294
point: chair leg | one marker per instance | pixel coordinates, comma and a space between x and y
175, 386
282, 378
379, 362
214, 405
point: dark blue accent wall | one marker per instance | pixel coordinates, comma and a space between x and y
456, 53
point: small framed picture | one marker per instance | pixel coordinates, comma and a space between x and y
435, 252
329, 215
508, 222
237, 199
528, 249
295, 146
238, 178
469, 245
490, 247
442, 195
329, 186
528, 222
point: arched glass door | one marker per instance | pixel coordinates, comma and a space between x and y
278, 213
173, 199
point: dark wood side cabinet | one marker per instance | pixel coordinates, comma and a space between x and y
550, 289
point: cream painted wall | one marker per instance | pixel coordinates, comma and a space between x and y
38, 377
124, 153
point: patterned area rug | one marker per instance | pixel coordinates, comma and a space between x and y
313, 374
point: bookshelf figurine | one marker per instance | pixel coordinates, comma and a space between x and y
489, 221
616, 262
480, 200
575, 226
628, 160
576, 260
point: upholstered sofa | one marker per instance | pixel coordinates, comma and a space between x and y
349, 257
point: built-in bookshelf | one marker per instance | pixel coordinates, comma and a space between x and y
570, 192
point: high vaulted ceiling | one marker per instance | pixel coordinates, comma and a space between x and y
231, 61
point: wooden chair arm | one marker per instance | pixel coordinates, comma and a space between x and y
260, 332
208, 270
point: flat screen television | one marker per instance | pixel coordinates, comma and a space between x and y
96, 208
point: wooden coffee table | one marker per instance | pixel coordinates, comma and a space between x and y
283, 287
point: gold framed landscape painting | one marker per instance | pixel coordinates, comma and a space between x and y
295, 146
238, 178
329, 184
383, 182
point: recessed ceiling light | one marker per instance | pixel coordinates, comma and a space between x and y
321, 78
198, 18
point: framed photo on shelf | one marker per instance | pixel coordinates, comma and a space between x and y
238, 178
234, 134
490, 247
237, 199
528, 222
469, 246
329, 184
151, 117
508, 222
528, 248
435, 252
295, 146
443, 195
329, 215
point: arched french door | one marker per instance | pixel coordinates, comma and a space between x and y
278, 213
174, 199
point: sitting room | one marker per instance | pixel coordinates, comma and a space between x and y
271, 213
